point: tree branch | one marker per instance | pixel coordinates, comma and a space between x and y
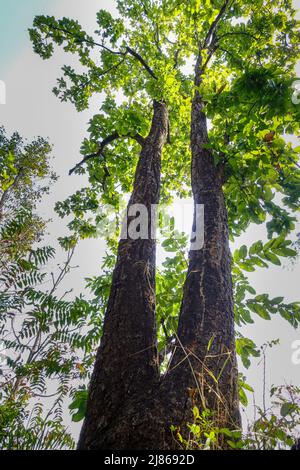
211, 53
103, 144
7, 191
215, 44
86, 40
236, 59
215, 23
157, 39
115, 66
142, 61
122, 53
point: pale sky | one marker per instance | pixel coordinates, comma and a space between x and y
33, 110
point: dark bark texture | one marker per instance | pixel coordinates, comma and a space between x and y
203, 370
126, 365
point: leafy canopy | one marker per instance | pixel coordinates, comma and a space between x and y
148, 51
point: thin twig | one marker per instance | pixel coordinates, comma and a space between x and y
103, 144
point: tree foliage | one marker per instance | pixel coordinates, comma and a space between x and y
147, 52
47, 341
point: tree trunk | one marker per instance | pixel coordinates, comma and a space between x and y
126, 365
130, 406
203, 370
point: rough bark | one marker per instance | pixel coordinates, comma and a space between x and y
130, 405
203, 370
126, 365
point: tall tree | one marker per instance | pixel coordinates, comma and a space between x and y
39, 327
243, 55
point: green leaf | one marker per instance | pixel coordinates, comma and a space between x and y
243, 397
260, 310
268, 194
286, 409
277, 300
286, 252
272, 258
243, 252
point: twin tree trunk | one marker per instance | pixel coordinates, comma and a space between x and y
130, 405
